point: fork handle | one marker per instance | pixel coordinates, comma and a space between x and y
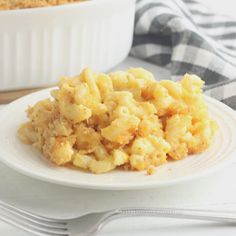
208, 215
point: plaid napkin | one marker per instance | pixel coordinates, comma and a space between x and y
184, 36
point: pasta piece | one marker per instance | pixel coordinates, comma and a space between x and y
61, 152
120, 157
88, 162
176, 128
121, 130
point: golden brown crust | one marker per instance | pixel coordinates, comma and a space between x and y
21, 4
99, 122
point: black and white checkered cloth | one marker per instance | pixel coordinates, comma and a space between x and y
184, 36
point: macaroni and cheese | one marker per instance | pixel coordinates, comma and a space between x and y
98, 122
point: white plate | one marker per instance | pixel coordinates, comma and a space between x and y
28, 161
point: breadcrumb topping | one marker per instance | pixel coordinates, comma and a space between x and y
21, 4
100, 122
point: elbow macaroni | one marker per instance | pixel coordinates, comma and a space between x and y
98, 122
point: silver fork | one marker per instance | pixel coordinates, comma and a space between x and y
91, 223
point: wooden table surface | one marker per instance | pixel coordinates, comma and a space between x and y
9, 96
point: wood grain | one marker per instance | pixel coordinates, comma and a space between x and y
9, 96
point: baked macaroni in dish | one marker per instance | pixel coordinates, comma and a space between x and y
19, 4
98, 122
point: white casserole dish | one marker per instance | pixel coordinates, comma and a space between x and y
41, 44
